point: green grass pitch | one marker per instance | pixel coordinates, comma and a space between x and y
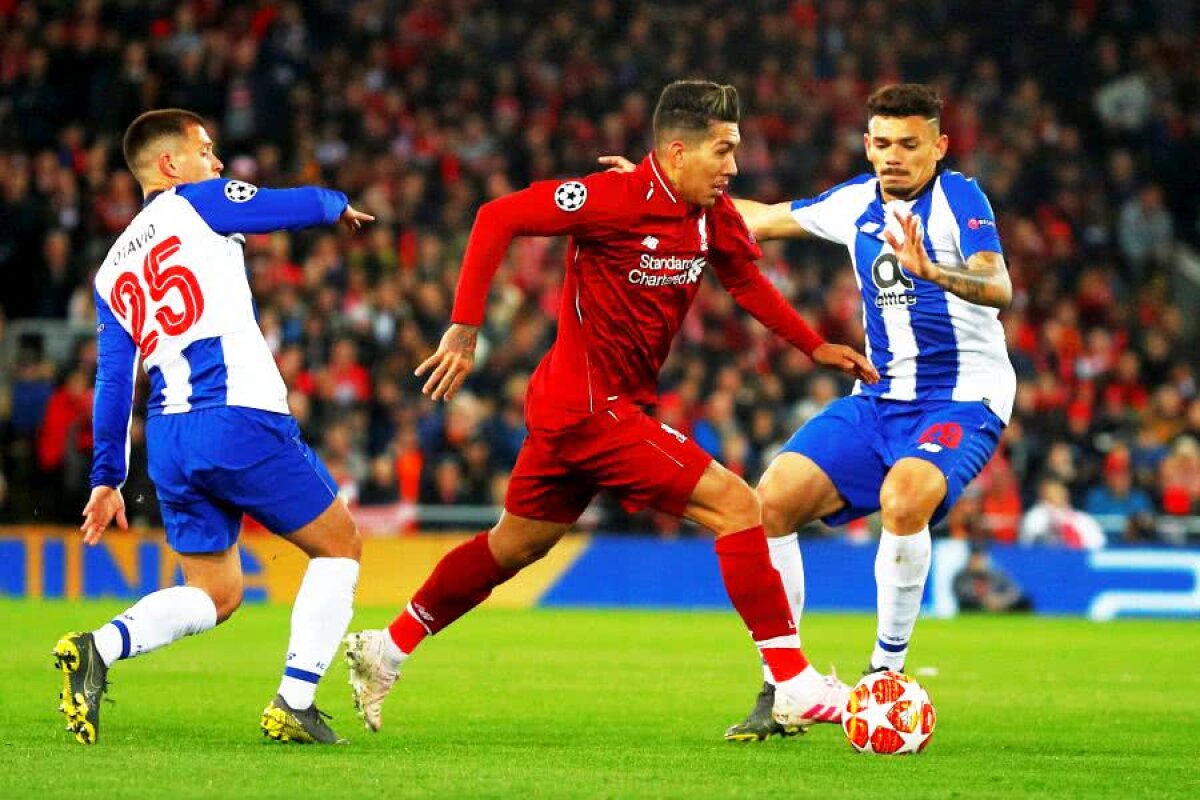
612, 704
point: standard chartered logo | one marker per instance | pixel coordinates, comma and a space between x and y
667, 270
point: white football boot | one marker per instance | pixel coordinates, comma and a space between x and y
372, 674
810, 698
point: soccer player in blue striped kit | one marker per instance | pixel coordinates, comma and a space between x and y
173, 292
927, 257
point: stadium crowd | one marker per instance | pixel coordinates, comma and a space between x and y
1080, 119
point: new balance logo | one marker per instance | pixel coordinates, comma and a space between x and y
650, 243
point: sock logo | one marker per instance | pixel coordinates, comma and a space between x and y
421, 612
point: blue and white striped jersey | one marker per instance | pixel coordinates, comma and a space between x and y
927, 343
173, 289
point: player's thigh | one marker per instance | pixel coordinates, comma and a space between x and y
643, 462
956, 439
844, 443
542, 487
795, 491
517, 541
723, 502
219, 575
259, 462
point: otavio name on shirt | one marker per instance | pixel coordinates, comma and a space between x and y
136, 243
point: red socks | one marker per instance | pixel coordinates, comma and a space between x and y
462, 580
756, 590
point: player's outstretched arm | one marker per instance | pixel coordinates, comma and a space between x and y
766, 221
230, 206
451, 364
984, 281
770, 221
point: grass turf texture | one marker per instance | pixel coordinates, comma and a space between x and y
611, 704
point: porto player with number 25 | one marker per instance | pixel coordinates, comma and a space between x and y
173, 292
639, 246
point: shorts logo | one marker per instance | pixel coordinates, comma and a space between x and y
570, 196
939, 435
682, 439
240, 191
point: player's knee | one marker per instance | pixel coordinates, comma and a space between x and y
347, 542
776, 518
741, 508
905, 508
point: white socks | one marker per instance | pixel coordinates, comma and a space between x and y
901, 566
320, 617
785, 557
154, 621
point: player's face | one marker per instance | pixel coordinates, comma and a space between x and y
707, 165
194, 158
905, 152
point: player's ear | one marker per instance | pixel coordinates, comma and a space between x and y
675, 151
166, 164
941, 146
867, 145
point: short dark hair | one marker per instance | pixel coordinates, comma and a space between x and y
155, 125
905, 100
692, 106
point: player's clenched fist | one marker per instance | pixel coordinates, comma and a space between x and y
451, 364
847, 359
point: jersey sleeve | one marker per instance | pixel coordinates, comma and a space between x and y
975, 221
730, 238
579, 207
113, 399
238, 207
733, 251
833, 214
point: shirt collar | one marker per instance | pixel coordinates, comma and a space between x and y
653, 171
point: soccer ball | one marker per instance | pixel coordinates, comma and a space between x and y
888, 713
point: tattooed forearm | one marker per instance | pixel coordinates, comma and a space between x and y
984, 281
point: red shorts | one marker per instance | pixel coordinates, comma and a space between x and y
641, 460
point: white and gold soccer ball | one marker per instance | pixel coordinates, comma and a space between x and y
888, 713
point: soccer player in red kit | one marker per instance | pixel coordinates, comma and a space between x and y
640, 243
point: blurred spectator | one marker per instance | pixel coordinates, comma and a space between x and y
982, 586
1053, 521
1120, 506
1146, 231
1179, 477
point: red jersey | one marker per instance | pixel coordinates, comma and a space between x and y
635, 260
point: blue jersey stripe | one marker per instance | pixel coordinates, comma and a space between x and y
937, 362
866, 250
206, 357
